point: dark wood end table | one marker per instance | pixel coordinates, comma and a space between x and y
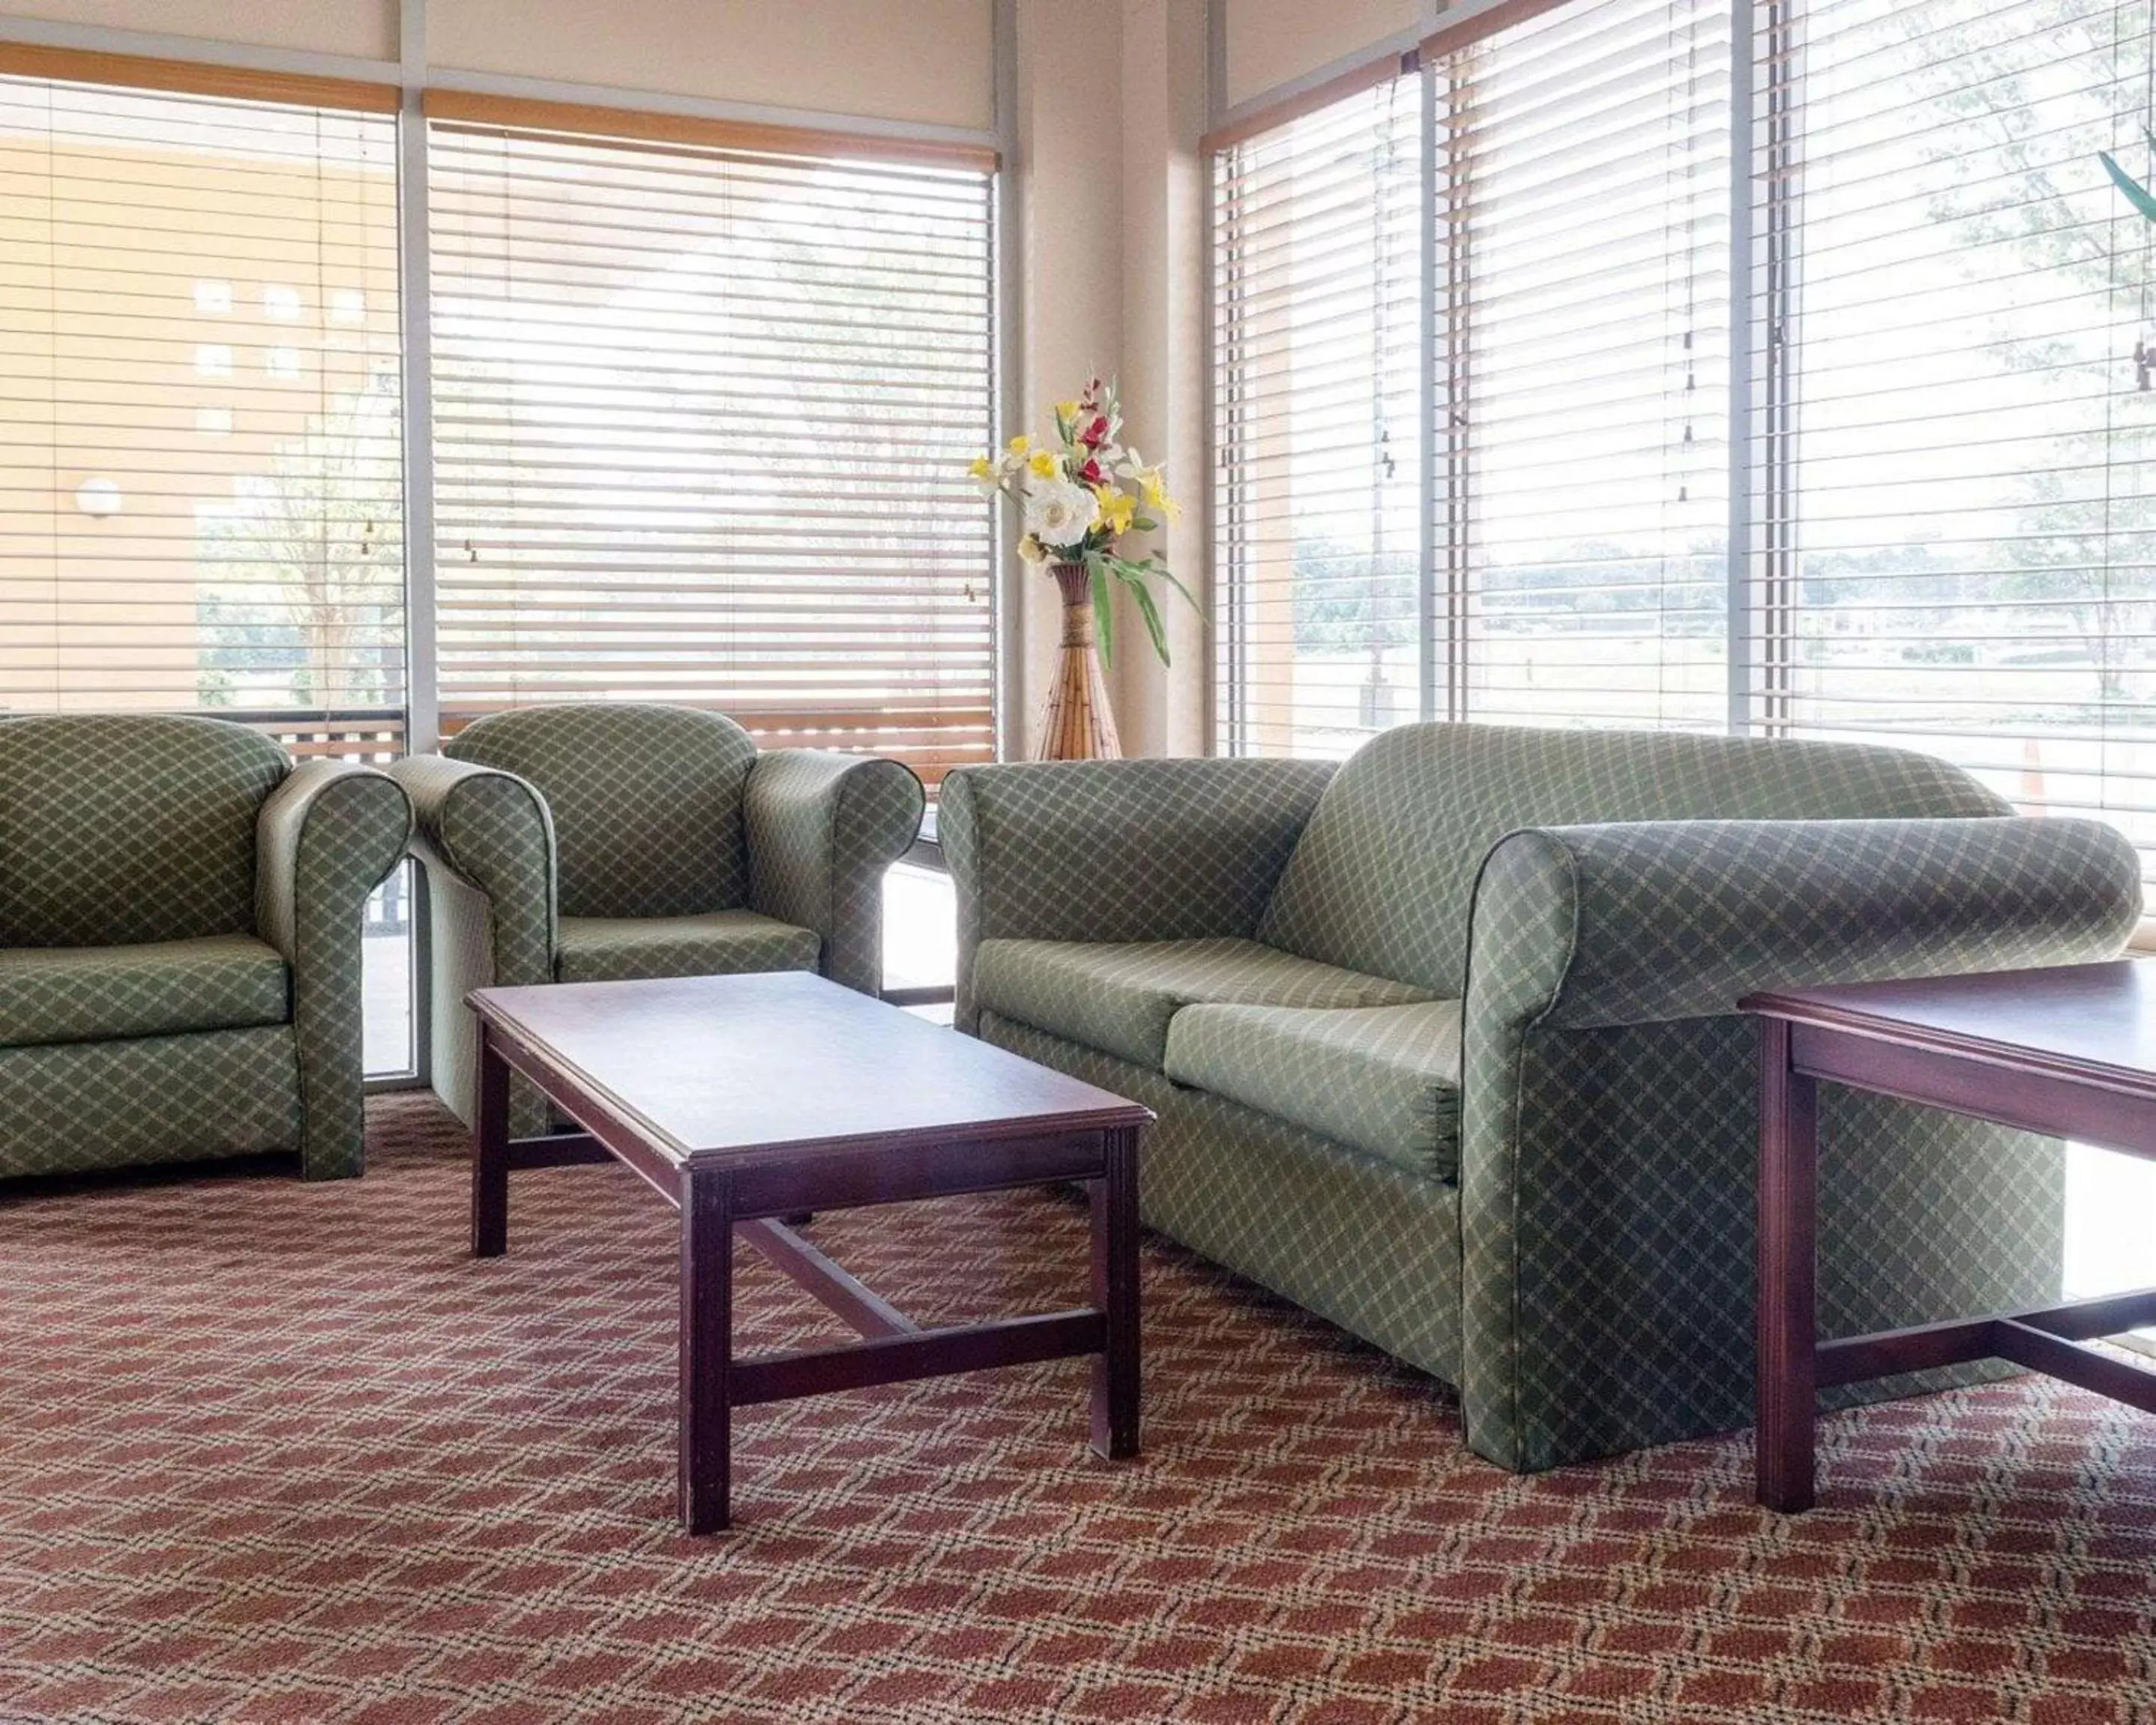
2069, 1052
742, 1100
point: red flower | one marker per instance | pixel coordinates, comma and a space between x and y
1096, 433
1092, 473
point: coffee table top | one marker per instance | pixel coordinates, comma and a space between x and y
726, 1068
2092, 1023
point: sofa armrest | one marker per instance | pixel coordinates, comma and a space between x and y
822, 829
324, 840
1586, 927
491, 831
1119, 851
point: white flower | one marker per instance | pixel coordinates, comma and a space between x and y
1060, 513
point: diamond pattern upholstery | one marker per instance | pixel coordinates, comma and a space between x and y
600, 949
547, 832
1384, 875
1601, 901
646, 801
1383, 1079
1120, 998
215, 982
119, 828
180, 961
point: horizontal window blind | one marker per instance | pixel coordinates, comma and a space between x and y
1956, 555
702, 418
199, 406
1585, 177
1318, 241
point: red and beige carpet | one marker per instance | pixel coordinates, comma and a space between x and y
278, 1452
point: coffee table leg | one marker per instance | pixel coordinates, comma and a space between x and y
1116, 1292
1788, 1323
489, 1219
707, 1273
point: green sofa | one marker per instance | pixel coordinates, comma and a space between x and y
603, 841
1443, 1048
180, 926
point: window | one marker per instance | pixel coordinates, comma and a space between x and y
701, 421
1942, 342
201, 506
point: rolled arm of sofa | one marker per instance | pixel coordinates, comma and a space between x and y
822, 829
324, 839
1586, 927
1119, 851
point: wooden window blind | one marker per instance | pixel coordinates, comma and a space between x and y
1317, 246
1584, 181
1954, 437
199, 399
702, 417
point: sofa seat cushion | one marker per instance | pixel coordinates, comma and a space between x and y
1119, 998
1383, 1079
218, 981
605, 949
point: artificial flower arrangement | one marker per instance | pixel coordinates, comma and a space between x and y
1075, 502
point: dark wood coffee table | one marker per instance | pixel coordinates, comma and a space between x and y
2069, 1052
740, 1100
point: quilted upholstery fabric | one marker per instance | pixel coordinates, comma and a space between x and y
1118, 850
646, 801
215, 982
600, 949
327, 838
1119, 998
1607, 1169
823, 830
1383, 1079
1383, 878
91, 1104
120, 828
1357, 1240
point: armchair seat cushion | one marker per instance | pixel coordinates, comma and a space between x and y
1383, 1079
223, 982
604, 949
1119, 998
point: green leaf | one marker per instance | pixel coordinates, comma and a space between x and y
2137, 194
1150, 612
1163, 572
1104, 617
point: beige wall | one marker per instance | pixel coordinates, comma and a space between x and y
365, 27
1269, 42
925, 60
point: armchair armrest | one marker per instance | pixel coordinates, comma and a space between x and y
1119, 851
823, 828
1587, 927
491, 833
324, 840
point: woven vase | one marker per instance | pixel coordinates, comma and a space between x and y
1077, 724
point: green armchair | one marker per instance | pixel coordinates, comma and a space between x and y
180, 927
1442, 1043
603, 841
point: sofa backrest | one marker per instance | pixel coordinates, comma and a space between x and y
1383, 877
120, 827
646, 801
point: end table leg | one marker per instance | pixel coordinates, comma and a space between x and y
707, 1269
489, 1222
1789, 1227
1116, 1292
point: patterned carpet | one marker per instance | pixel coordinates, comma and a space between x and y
277, 1452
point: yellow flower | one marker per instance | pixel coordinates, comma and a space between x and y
982, 469
1042, 464
1030, 549
1066, 410
1156, 493
1021, 445
1116, 508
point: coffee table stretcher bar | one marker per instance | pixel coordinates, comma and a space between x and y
2069, 1052
724, 1198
